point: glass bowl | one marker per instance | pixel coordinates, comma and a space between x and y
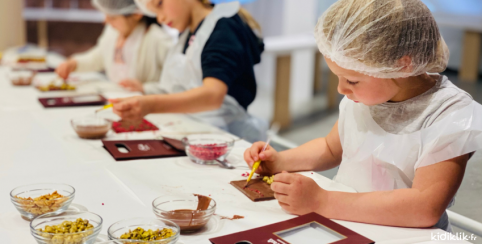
21, 78
23, 198
182, 211
208, 148
83, 237
91, 127
124, 226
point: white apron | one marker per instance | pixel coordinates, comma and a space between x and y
127, 70
183, 72
375, 160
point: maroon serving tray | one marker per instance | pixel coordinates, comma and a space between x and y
143, 149
72, 101
274, 233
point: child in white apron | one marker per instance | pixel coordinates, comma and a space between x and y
403, 137
209, 73
131, 49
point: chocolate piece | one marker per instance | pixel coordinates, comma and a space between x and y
203, 202
257, 190
92, 131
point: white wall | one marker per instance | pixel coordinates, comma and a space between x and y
280, 18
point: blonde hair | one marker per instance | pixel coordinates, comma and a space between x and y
245, 16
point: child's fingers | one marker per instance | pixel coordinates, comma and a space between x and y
115, 100
283, 205
281, 198
284, 177
248, 158
255, 149
280, 188
123, 105
267, 155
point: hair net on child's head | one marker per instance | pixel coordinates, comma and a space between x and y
375, 37
142, 4
116, 7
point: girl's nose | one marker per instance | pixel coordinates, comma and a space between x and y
161, 18
342, 87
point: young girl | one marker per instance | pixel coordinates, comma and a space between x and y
131, 50
403, 137
209, 73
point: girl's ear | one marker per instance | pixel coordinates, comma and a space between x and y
137, 17
406, 63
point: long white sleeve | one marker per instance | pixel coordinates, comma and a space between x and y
93, 59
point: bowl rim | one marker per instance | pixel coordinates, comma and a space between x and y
95, 229
108, 121
176, 236
229, 141
72, 194
155, 208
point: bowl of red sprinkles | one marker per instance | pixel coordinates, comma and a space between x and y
208, 148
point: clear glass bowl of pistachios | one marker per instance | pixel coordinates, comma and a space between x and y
37, 199
71, 227
144, 231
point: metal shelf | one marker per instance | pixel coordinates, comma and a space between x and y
68, 15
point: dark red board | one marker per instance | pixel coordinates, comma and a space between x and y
55, 102
141, 149
267, 234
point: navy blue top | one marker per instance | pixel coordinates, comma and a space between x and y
229, 55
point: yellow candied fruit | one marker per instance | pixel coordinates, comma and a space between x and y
269, 179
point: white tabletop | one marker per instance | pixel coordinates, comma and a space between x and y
38, 145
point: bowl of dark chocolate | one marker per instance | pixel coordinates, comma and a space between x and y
190, 213
91, 127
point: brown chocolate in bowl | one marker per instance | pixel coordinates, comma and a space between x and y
92, 131
188, 220
22, 81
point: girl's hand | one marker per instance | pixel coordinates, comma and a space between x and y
298, 194
132, 85
132, 108
65, 68
269, 158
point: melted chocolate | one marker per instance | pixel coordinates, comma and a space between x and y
191, 220
92, 131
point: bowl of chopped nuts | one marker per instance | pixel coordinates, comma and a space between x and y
145, 231
37, 199
71, 227
208, 148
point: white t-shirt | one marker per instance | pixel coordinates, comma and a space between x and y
421, 112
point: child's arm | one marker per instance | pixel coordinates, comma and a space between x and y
420, 206
319, 154
209, 96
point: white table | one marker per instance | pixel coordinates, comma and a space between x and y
38, 145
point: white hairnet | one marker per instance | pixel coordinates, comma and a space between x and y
372, 36
116, 7
142, 4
